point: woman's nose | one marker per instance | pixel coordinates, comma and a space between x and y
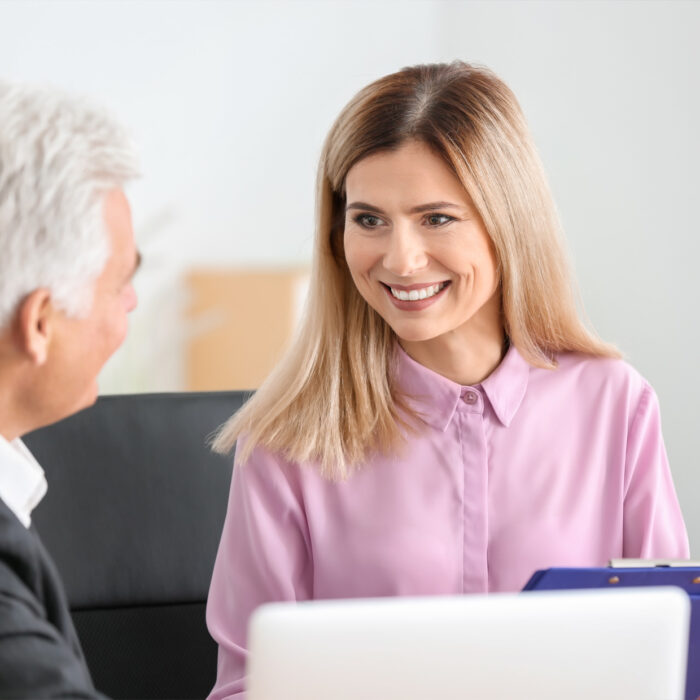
405, 253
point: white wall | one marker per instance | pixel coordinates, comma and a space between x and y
612, 94
230, 102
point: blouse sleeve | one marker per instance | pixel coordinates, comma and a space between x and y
653, 526
263, 556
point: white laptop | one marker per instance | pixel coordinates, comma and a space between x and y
617, 644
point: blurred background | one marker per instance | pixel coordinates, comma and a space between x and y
229, 103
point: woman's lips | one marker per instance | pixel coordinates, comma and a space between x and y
415, 304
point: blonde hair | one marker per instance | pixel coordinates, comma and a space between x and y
333, 397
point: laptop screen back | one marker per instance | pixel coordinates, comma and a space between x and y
564, 644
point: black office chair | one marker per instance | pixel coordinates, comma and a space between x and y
133, 515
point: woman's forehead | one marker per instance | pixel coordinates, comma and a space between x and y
409, 176
413, 162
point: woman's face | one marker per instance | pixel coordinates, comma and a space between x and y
415, 245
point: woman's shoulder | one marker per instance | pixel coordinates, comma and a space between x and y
597, 375
256, 455
260, 462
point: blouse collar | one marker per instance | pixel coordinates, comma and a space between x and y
435, 398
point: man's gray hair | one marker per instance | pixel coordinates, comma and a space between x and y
58, 157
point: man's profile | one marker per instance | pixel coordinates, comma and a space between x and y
67, 258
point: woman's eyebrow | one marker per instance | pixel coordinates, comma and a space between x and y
431, 206
364, 206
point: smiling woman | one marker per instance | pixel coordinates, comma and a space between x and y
334, 397
423, 260
444, 422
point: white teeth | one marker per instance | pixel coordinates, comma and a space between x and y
416, 294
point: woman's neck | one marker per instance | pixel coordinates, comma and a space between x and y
465, 355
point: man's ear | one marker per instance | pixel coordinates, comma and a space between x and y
35, 325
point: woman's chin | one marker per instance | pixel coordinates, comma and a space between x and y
415, 333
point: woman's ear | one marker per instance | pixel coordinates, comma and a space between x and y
34, 325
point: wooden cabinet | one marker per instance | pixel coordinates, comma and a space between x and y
240, 322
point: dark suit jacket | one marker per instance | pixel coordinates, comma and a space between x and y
40, 655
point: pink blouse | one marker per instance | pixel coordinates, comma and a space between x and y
532, 468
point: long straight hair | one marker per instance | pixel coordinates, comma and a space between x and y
333, 398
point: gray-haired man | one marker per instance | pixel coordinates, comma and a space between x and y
67, 258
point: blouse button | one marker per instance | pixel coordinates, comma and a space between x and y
470, 398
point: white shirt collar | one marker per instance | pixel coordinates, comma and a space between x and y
22, 480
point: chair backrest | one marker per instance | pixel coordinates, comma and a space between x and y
132, 518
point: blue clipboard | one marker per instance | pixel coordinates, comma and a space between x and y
642, 574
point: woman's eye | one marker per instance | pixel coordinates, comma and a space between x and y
368, 220
438, 219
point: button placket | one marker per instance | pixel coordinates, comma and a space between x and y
474, 494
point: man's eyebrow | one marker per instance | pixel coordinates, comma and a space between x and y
138, 259
431, 206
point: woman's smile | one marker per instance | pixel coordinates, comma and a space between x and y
415, 297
